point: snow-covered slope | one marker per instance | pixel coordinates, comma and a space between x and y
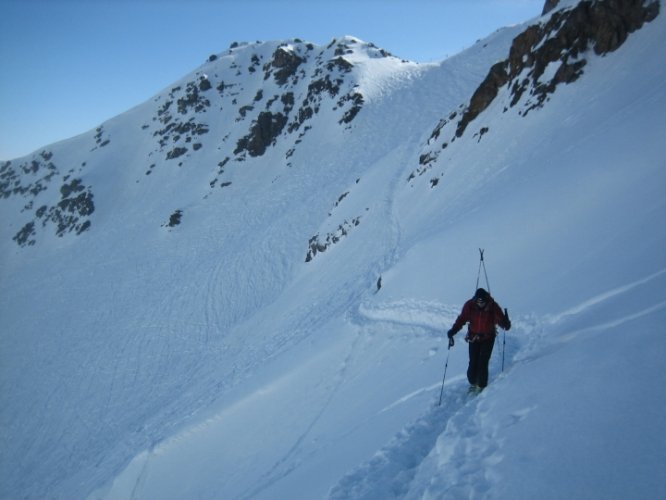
239, 289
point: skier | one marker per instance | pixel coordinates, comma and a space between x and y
483, 314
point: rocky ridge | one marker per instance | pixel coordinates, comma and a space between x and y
261, 97
543, 57
240, 103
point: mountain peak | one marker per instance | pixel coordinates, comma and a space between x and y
179, 279
237, 106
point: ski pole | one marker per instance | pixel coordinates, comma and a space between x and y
503, 349
506, 313
446, 365
478, 275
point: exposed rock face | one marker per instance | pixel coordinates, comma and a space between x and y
31, 182
263, 133
228, 111
541, 58
549, 5
315, 245
175, 218
327, 79
562, 40
180, 130
286, 64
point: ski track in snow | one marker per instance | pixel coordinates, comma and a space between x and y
417, 438
603, 297
461, 436
134, 360
287, 463
459, 432
413, 314
390, 472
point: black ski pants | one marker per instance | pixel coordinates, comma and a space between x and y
479, 357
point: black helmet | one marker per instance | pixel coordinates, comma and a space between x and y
481, 294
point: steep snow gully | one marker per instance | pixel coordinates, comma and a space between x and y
240, 289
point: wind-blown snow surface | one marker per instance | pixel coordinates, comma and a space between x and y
209, 360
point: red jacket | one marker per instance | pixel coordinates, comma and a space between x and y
482, 322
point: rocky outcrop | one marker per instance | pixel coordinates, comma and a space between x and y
549, 5
31, 181
563, 40
541, 58
265, 129
285, 63
174, 219
181, 128
326, 80
228, 111
319, 245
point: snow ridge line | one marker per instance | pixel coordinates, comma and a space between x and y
603, 297
427, 314
616, 322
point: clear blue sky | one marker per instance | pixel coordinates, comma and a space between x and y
69, 65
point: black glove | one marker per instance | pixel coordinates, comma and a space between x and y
507, 322
450, 335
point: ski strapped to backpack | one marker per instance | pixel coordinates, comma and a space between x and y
482, 263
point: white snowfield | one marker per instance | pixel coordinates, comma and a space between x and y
210, 360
